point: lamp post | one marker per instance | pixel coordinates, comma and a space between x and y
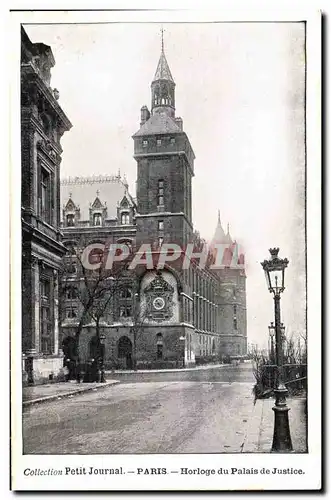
102, 358
272, 342
274, 269
283, 337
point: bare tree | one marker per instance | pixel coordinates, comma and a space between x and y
139, 320
94, 289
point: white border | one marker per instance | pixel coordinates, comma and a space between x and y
311, 462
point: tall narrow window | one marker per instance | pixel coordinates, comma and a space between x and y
97, 220
235, 324
45, 317
70, 220
159, 346
125, 219
160, 241
160, 193
235, 310
160, 225
45, 197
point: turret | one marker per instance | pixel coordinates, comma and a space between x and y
163, 88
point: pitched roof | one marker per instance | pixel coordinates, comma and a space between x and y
83, 191
163, 71
160, 123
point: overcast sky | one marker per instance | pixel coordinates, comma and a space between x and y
240, 91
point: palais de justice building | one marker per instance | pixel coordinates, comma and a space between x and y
43, 122
187, 313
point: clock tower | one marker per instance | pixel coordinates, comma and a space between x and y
165, 167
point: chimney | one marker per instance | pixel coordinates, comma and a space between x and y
144, 115
179, 123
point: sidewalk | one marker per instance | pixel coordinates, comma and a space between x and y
168, 370
49, 392
260, 430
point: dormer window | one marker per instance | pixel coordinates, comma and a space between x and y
145, 144
97, 220
70, 220
125, 219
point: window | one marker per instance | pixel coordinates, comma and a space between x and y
72, 268
45, 196
145, 144
97, 220
125, 219
235, 310
160, 241
158, 142
72, 293
159, 346
235, 325
71, 313
125, 311
172, 140
70, 220
160, 193
45, 317
126, 293
160, 225
95, 256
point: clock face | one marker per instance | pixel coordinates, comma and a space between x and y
158, 303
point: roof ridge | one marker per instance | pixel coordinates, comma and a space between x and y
91, 179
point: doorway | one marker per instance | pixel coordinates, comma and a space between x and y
125, 351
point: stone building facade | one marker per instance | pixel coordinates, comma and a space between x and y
167, 317
43, 123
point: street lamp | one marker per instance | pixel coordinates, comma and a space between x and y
182, 342
102, 357
274, 269
272, 340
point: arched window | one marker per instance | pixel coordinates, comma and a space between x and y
159, 346
97, 220
125, 219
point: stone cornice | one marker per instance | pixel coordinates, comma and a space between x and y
29, 70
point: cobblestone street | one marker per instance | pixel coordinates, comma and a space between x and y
216, 416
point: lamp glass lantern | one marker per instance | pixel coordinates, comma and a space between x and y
272, 330
274, 270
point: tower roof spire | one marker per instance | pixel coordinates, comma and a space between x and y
162, 41
163, 71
